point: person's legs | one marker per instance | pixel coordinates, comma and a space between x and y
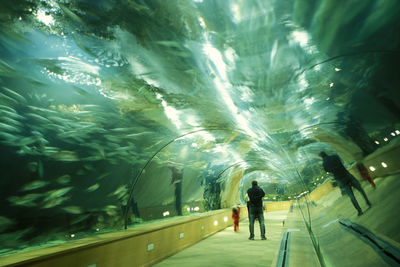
371, 181
251, 222
261, 221
353, 199
356, 184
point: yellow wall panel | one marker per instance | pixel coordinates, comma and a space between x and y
128, 248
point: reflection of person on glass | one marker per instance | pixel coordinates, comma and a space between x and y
256, 194
176, 179
365, 174
344, 179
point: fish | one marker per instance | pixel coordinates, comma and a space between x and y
120, 191
10, 109
26, 150
73, 133
169, 44
73, 209
26, 200
8, 99
81, 91
42, 141
6, 136
67, 12
93, 188
103, 175
11, 121
111, 210
53, 194
111, 154
64, 179
9, 128
83, 47
11, 114
36, 133
49, 150
50, 111
88, 167
15, 95
140, 8
112, 138
137, 134
50, 203
65, 155
6, 69
59, 120
34, 185
38, 118
80, 218
92, 158
125, 148
92, 107
121, 130
24, 141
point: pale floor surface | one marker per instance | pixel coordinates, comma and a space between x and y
227, 248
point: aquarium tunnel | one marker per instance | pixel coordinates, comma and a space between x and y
129, 129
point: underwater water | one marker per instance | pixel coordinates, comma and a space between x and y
116, 113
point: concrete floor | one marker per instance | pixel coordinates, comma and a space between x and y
227, 248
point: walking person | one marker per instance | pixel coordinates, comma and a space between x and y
345, 180
236, 218
256, 194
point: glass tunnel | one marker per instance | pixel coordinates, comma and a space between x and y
119, 114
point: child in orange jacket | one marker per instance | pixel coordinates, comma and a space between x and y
235, 218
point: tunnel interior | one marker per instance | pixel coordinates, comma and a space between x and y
120, 113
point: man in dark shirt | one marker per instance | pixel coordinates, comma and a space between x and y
256, 210
345, 180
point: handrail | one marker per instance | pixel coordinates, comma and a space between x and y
125, 215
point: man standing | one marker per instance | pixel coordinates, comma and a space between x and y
256, 194
344, 179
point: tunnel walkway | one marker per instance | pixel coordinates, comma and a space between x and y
338, 245
227, 248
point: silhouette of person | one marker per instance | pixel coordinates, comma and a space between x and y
256, 194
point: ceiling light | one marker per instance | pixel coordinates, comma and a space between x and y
372, 168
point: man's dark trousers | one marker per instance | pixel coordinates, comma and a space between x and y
256, 212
